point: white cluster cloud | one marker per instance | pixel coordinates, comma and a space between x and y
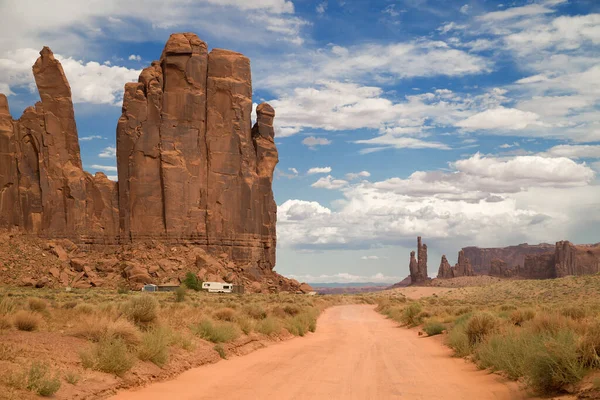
355, 175
312, 142
530, 197
91, 137
319, 170
135, 57
108, 152
329, 182
90, 82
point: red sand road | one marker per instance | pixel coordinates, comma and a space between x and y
355, 354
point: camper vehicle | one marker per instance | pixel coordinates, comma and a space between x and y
217, 287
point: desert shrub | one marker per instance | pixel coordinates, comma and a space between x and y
411, 314
26, 321
518, 317
245, 323
434, 327
479, 326
457, 337
555, 364
225, 314
36, 304
506, 351
219, 349
142, 310
463, 310
216, 332
180, 294
155, 346
183, 341
123, 290
96, 328
109, 355
291, 309
508, 307
269, 326
588, 346
5, 322
278, 312
36, 378
574, 312
7, 305
548, 323
255, 311
72, 378
192, 282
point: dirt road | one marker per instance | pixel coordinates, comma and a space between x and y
355, 354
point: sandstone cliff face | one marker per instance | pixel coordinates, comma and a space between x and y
481, 258
46, 191
418, 267
500, 269
567, 259
191, 168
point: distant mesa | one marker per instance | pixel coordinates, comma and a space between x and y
191, 168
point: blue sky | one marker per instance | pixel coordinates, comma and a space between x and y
467, 122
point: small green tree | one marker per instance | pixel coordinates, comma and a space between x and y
191, 281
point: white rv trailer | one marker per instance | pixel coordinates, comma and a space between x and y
217, 287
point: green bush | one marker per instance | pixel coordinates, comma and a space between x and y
216, 332
269, 326
155, 346
506, 351
411, 315
192, 282
555, 364
434, 327
109, 355
36, 379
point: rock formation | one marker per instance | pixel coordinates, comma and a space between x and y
445, 271
191, 168
514, 256
45, 190
500, 269
462, 268
418, 267
567, 259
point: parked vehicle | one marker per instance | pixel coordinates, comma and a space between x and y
217, 287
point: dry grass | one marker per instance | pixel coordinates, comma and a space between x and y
155, 346
546, 333
26, 321
36, 304
109, 355
96, 328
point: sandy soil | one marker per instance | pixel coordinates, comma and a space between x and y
355, 354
